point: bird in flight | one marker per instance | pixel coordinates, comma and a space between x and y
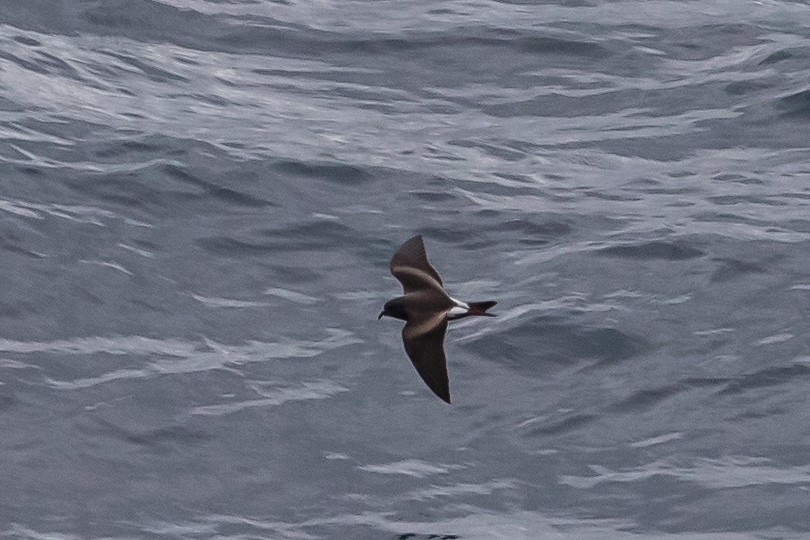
426, 310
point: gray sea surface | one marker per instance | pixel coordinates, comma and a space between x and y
199, 200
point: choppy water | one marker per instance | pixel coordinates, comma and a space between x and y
198, 201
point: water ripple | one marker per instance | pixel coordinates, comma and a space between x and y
272, 397
724, 473
410, 467
180, 356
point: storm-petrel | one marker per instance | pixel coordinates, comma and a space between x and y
426, 310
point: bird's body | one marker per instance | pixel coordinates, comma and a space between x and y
426, 309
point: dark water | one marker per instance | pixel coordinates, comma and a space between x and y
198, 203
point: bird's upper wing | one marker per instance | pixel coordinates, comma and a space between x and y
424, 343
411, 267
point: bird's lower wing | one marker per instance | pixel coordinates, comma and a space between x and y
424, 343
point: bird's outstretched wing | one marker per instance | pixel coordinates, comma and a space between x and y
424, 343
411, 267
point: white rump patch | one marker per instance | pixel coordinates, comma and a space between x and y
456, 312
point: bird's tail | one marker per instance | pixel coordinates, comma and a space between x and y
480, 308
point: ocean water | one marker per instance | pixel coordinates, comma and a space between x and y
199, 199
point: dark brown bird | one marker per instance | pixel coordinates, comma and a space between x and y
426, 310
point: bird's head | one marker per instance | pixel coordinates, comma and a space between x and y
394, 308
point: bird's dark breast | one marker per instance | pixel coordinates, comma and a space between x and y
426, 302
